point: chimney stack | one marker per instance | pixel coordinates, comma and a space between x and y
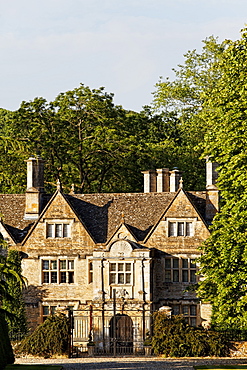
175, 176
162, 180
212, 193
35, 187
150, 181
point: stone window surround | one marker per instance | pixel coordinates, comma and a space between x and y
52, 229
48, 310
123, 273
185, 230
180, 269
58, 272
187, 310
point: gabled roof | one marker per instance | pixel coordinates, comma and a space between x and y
197, 203
122, 229
46, 208
12, 208
100, 213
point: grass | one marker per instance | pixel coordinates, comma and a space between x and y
33, 367
209, 367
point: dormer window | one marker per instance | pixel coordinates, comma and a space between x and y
57, 230
180, 228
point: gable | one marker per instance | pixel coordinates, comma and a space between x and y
189, 227
58, 229
122, 232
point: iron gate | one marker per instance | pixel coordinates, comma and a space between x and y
109, 330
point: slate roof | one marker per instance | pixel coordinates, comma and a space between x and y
101, 213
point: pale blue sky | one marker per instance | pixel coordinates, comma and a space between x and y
52, 46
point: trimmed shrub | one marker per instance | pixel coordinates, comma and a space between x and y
50, 338
173, 337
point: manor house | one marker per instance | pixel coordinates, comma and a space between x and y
111, 257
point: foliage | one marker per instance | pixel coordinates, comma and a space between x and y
184, 97
173, 337
148, 339
50, 338
224, 259
10, 275
12, 155
88, 141
15, 305
8, 271
6, 352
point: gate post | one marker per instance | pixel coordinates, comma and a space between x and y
70, 336
114, 324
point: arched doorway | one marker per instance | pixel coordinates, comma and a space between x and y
121, 332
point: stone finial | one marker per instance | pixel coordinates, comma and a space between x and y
181, 183
59, 187
72, 190
122, 218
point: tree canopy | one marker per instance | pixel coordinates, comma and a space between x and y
209, 97
184, 97
88, 141
224, 259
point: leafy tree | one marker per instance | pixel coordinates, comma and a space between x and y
184, 97
12, 156
224, 259
88, 141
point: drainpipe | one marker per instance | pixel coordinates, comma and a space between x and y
144, 301
103, 301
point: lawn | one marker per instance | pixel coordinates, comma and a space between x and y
33, 367
236, 367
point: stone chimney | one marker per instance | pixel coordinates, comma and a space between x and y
35, 187
163, 180
150, 185
212, 192
175, 176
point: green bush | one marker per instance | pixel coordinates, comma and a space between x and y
173, 337
6, 352
50, 338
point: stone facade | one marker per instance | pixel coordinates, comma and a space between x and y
110, 255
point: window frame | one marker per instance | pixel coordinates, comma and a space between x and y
126, 275
57, 229
51, 311
53, 270
181, 227
183, 271
190, 317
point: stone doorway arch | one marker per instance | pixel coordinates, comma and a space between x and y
121, 333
